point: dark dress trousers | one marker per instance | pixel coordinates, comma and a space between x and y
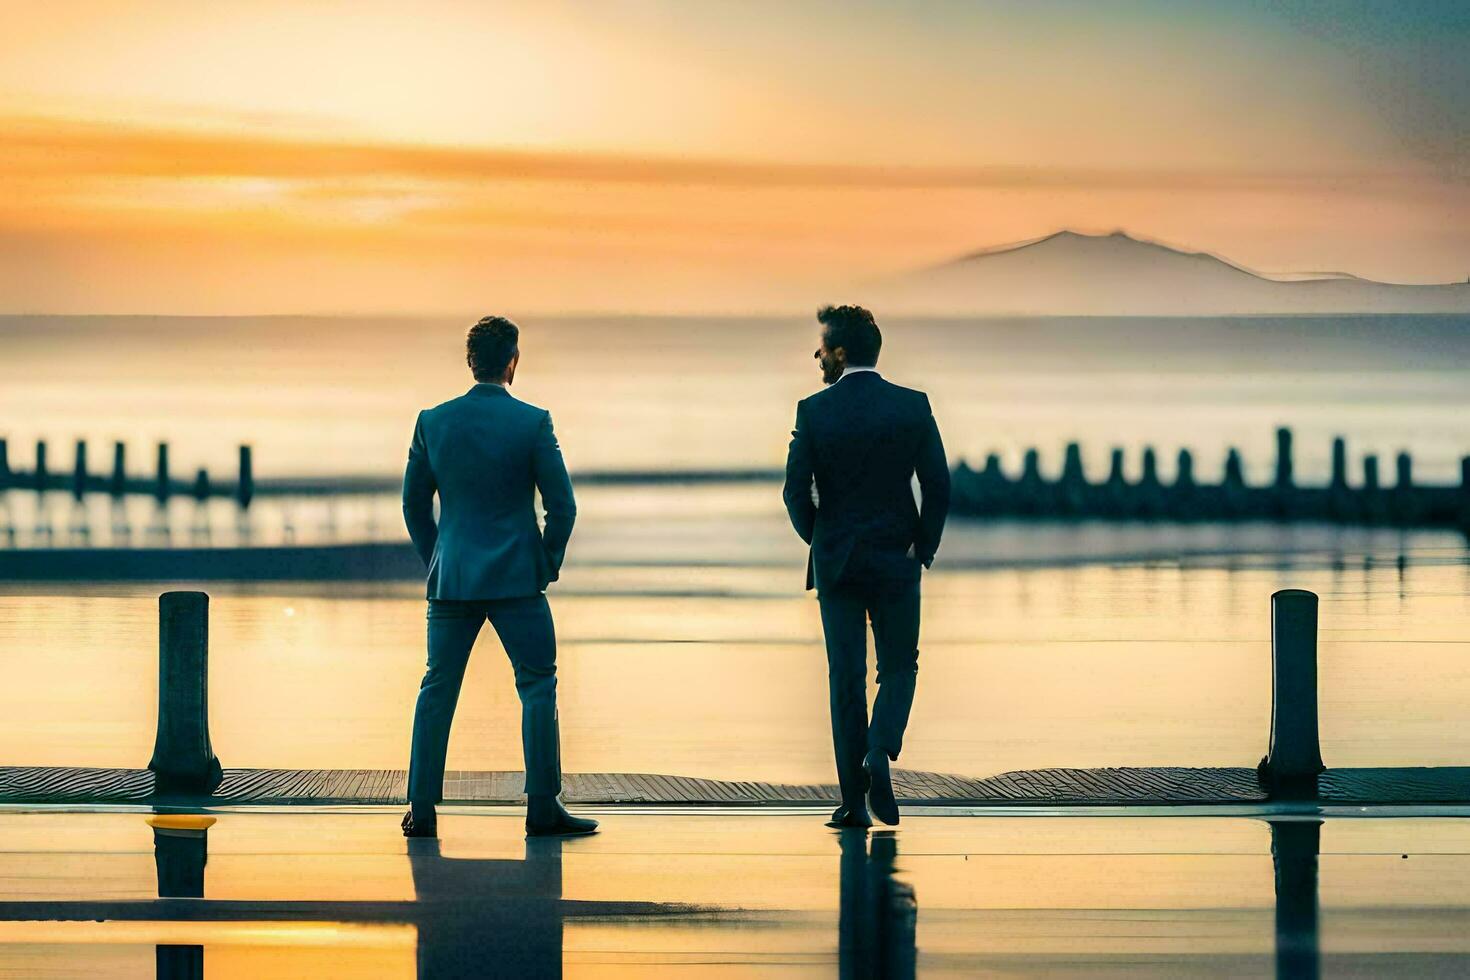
486, 454
857, 446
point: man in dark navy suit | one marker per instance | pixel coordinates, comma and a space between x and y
486, 454
856, 449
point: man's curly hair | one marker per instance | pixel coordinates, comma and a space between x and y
853, 329
490, 345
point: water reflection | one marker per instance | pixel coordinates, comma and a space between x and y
1295, 846
180, 851
876, 912
473, 912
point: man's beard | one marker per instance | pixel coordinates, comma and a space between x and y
831, 370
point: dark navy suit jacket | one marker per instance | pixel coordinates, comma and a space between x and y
486, 454
860, 442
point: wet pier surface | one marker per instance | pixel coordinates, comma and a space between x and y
725, 892
1136, 786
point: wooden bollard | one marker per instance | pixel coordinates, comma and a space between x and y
162, 488
1373, 505
1030, 495
201, 484
1283, 498
1234, 472
79, 471
1150, 490
1072, 490
1289, 770
1465, 494
4, 464
1184, 470
995, 486
1284, 472
39, 477
245, 489
119, 484
1183, 493
183, 759
1341, 503
1405, 501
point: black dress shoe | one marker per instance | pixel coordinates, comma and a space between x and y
850, 816
546, 817
880, 787
424, 825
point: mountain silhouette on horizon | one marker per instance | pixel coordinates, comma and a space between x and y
1070, 273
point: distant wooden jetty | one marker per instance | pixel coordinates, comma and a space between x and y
989, 491
244, 486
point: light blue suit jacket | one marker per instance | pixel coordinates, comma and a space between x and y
486, 454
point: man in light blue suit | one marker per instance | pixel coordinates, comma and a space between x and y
486, 454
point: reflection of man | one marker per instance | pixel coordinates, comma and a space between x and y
488, 917
856, 449
876, 914
486, 454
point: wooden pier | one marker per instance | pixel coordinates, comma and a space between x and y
184, 769
990, 492
1102, 787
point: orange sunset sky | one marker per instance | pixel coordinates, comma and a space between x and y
187, 157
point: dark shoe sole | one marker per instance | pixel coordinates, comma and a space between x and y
880, 795
560, 832
412, 830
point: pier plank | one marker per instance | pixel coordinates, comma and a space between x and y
1090, 787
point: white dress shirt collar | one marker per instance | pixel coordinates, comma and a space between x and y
855, 370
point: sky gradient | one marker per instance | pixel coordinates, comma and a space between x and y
177, 157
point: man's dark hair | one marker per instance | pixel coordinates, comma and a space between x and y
854, 330
489, 346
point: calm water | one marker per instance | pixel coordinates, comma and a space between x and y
687, 645
334, 396
720, 672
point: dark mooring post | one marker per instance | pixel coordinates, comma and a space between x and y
1283, 459
183, 759
162, 487
1464, 491
1072, 489
1339, 463
39, 477
245, 489
201, 485
79, 471
119, 484
1291, 766
4, 464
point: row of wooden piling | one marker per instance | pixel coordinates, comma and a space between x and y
990, 492
161, 485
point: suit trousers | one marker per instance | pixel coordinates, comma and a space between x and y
893, 610
526, 631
